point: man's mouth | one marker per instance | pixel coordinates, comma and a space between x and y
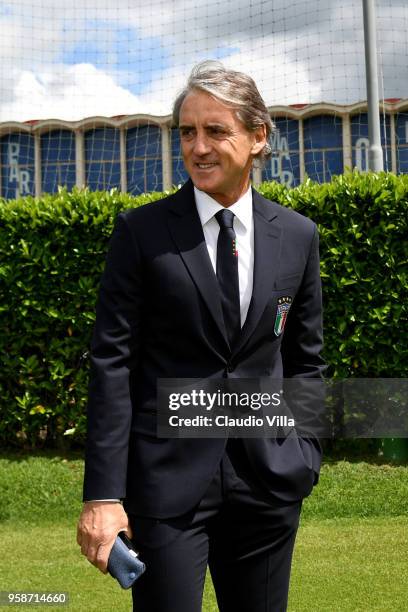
206, 166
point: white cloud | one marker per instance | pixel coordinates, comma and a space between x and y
70, 93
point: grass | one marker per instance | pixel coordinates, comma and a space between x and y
351, 565
344, 565
351, 553
359, 489
40, 487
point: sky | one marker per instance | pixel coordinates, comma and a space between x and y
81, 58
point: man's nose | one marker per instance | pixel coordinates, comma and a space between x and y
201, 144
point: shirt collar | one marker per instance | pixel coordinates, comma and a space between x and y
207, 207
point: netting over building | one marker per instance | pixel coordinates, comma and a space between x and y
121, 63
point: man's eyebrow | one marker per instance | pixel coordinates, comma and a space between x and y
207, 125
219, 125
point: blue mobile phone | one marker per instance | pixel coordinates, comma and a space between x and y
123, 563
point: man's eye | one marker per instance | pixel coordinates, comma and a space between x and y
185, 132
217, 131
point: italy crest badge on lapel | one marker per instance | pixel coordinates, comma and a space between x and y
284, 304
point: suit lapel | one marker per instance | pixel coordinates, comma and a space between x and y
187, 232
267, 244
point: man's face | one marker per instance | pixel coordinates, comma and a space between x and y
216, 146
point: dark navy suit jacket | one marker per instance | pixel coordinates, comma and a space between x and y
159, 315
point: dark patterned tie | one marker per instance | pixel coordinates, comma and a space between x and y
227, 274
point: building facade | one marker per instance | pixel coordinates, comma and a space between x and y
141, 153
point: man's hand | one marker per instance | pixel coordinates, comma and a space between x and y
98, 526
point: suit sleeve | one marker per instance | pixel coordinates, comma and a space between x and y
301, 354
114, 353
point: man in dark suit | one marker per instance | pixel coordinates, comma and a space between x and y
193, 288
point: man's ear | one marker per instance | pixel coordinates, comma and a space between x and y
260, 139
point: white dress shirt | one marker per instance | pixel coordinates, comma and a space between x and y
207, 207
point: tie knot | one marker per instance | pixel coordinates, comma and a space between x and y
225, 218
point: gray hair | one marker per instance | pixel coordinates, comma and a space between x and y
237, 90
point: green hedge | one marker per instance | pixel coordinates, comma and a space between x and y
52, 254
363, 224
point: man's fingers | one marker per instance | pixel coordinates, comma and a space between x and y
102, 557
98, 527
84, 548
97, 550
90, 553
